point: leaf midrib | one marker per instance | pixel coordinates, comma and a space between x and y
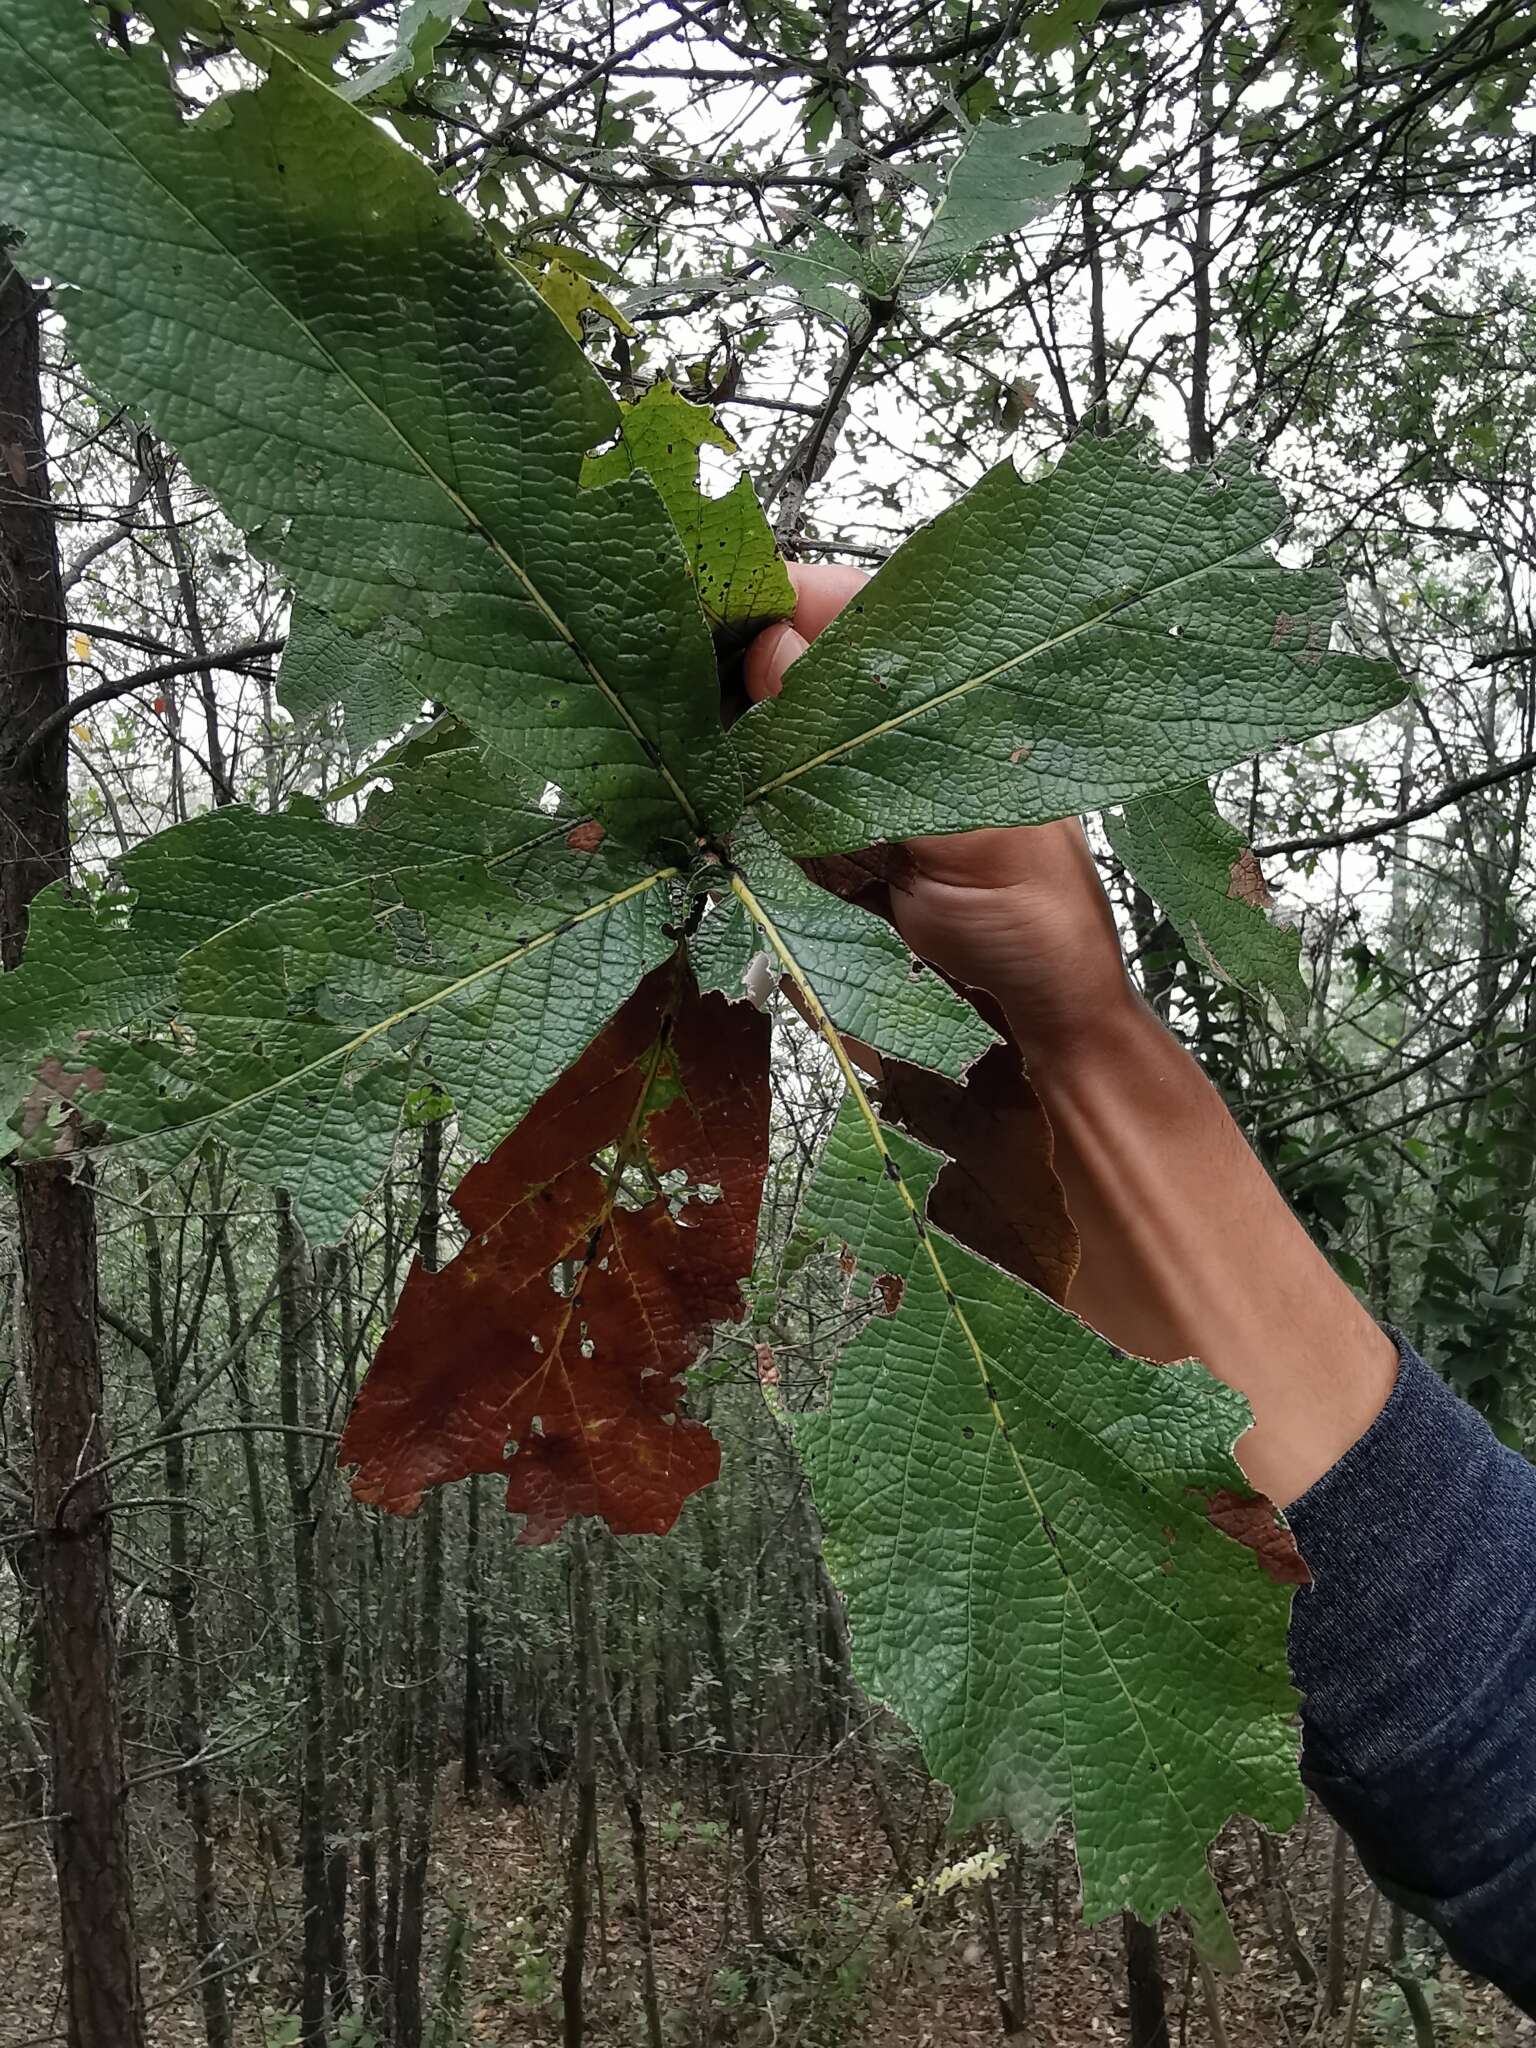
601, 1229
829, 1033
649, 751
899, 719
403, 1016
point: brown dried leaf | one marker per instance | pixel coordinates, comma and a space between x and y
635, 1183
997, 1191
55, 1087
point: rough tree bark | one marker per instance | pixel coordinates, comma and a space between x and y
72, 1550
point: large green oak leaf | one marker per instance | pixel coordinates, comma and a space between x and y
1028, 1529
392, 414
1050, 646
282, 984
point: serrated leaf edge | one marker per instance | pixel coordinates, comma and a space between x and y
425, 1006
1206, 1912
281, 61
963, 689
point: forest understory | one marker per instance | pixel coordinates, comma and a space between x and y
856, 1965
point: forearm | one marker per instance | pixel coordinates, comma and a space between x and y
1189, 1250
1415, 1646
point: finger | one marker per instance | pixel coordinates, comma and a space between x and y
768, 657
1002, 856
821, 591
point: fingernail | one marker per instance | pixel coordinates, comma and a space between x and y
770, 654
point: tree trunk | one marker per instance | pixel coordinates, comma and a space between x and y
470, 1744
1009, 2017
1338, 1925
578, 1867
1144, 1984
369, 1925
152, 461
1419, 2013
629, 1785
1212, 1993
837, 1678
329, 1570
743, 1808
186, 1634
293, 1311
1277, 1892
72, 1552
245, 1414
397, 1656
429, 1639
1021, 1869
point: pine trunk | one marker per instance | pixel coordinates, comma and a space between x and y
72, 1555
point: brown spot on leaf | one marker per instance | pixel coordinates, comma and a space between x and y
1251, 1519
1020, 754
585, 838
888, 1290
676, 1084
1246, 883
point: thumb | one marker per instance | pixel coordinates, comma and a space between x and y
769, 656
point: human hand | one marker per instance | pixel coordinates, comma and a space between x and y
1018, 911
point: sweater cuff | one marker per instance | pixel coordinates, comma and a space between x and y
1420, 1540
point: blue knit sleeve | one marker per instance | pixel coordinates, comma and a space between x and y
1415, 1652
